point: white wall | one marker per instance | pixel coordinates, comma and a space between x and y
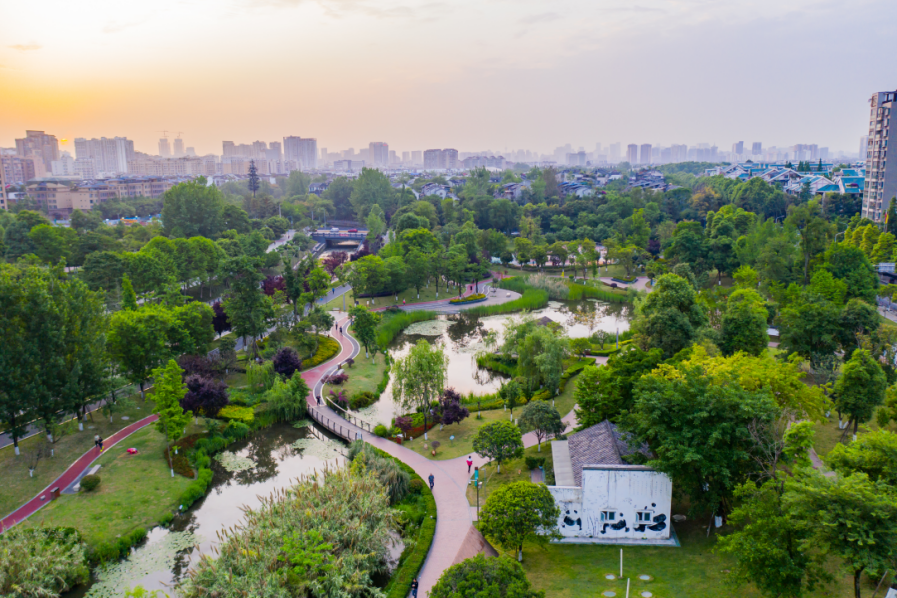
625, 490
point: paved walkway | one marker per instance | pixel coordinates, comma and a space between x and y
455, 516
71, 474
640, 284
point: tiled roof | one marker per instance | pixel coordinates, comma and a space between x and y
601, 444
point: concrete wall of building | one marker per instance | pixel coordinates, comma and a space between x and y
626, 491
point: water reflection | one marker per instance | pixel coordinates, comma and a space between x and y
282, 454
461, 336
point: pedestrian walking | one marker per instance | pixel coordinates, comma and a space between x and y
101, 444
432, 479
340, 330
96, 441
414, 585
469, 464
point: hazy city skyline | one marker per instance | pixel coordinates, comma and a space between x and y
422, 75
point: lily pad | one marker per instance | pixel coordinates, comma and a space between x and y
233, 462
429, 328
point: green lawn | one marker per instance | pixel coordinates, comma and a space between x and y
828, 435
136, 491
514, 470
18, 488
365, 375
463, 433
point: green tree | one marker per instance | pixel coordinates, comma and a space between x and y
364, 326
670, 317
419, 378
520, 511
498, 441
53, 244
248, 309
371, 188
482, 577
874, 454
849, 517
541, 358
810, 327
698, 429
418, 269
852, 266
169, 390
102, 270
815, 232
192, 209
509, 393
861, 388
768, 545
128, 296
235, 218
605, 392
138, 341
542, 420
744, 323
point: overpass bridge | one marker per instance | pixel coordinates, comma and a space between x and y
331, 238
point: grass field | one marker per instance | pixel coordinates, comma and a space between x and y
463, 432
136, 491
828, 435
514, 470
365, 375
17, 488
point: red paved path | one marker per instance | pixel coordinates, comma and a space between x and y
72, 473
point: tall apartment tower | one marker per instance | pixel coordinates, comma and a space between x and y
164, 147
679, 152
632, 154
881, 168
646, 153
106, 155
738, 148
379, 153
756, 148
303, 151
4, 202
37, 144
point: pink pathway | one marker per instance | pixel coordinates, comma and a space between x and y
454, 514
71, 474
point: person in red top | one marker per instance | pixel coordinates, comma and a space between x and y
469, 464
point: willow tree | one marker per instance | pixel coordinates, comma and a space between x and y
419, 378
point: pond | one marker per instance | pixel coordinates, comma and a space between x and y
270, 460
462, 336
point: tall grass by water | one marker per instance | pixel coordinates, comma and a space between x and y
581, 291
531, 299
392, 324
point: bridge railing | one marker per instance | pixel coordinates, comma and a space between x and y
337, 425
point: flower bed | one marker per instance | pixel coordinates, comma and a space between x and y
237, 413
477, 298
327, 348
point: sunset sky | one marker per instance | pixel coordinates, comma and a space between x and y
468, 74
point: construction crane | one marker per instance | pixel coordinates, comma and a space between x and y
164, 133
180, 133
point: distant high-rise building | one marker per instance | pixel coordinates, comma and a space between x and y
274, 151
577, 159
443, 159
598, 148
646, 153
406, 157
417, 157
678, 153
714, 153
227, 149
615, 152
393, 157
379, 152
632, 154
109, 156
738, 148
64, 166
179, 147
304, 151
881, 165
164, 147
756, 148
864, 145
37, 144
4, 201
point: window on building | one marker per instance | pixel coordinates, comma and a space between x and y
608, 515
643, 516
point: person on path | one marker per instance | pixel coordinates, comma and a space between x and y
340, 330
469, 464
96, 440
432, 479
414, 585
101, 444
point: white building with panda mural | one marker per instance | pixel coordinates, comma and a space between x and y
605, 500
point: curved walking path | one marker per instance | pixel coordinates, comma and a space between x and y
454, 514
71, 474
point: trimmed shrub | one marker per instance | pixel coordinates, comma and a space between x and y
327, 349
287, 362
381, 431
533, 462
416, 486
89, 483
338, 378
234, 430
477, 297
245, 415
360, 400
197, 489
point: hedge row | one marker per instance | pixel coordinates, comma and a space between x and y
111, 551
197, 488
399, 585
581, 291
469, 299
245, 415
385, 380
327, 348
